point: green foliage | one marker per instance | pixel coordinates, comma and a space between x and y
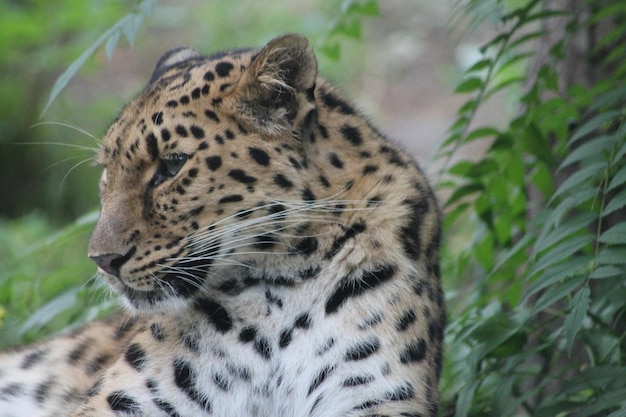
541, 332
128, 26
45, 286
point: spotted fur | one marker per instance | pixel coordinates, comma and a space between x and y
276, 254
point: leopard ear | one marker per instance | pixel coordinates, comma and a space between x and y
171, 58
277, 88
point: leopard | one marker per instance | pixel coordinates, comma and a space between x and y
274, 254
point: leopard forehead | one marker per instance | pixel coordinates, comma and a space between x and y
177, 112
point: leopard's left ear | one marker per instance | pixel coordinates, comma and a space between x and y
276, 90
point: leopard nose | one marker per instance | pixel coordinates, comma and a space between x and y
111, 262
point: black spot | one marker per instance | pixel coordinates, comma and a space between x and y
321, 376
166, 407
223, 68
392, 156
353, 231
121, 401
355, 381
307, 195
203, 145
213, 162
415, 352
333, 102
211, 115
310, 273
282, 181
43, 391
165, 135
294, 163
185, 379
362, 350
157, 118
157, 332
135, 356
232, 198
406, 320
303, 321
402, 393
216, 314
369, 169
184, 100
197, 132
260, 156
285, 338
78, 353
96, 364
354, 287
324, 181
263, 347
265, 241
410, 232
221, 381
352, 134
247, 334
181, 131
171, 104
306, 246
335, 160
195, 94
241, 176
151, 144
209, 76
323, 131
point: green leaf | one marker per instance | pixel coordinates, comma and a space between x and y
366, 8
607, 271
589, 149
600, 121
560, 251
468, 85
617, 202
480, 65
132, 26
464, 191
67, 75
111, 44
572, 225
616, 235
542, 178
557, 292
578, 307
563, 271
44, 314
481, 132
465, 398
611, 256
586, 174
618, 179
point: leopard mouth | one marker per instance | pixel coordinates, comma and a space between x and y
180, 281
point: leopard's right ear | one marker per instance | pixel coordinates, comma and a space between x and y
171, 58
277, 89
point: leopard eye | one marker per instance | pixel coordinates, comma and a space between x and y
169, 166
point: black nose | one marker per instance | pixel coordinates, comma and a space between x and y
111, 262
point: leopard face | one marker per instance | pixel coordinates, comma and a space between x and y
205, 170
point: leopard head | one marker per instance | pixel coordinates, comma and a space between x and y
204, 172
